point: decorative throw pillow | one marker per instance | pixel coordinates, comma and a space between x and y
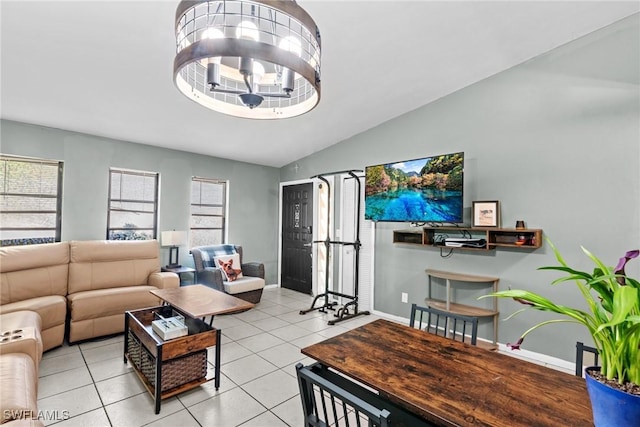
230, 266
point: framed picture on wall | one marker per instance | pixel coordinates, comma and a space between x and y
486, 214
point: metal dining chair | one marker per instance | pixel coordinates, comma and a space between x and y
331, 399
449, 325
581, 349
326, 403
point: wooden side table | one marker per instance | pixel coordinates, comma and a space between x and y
180, 271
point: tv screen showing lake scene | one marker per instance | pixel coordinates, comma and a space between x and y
420, 190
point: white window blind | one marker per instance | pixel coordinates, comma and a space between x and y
133, 205
30, 200
208, 212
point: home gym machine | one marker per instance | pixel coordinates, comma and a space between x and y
350, 309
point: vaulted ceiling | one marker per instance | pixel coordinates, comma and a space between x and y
105, 67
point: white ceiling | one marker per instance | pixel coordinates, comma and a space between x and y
106, 67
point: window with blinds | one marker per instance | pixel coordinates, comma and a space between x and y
30, 200
208, 212
133, 205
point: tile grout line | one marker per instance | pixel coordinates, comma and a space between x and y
285, 309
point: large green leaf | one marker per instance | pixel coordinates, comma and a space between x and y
625, 299
614, 321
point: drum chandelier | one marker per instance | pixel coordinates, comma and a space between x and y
252, 59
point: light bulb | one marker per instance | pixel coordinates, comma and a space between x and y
213, 73
291, 44
212, 33
247, 30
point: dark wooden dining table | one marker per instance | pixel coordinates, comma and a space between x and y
449, 383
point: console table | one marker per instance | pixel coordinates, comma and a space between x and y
468, 310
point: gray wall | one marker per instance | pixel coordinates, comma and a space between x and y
555, 140
253, 189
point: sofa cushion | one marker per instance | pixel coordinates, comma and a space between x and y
18, 319
244, 284
33, 271
210, 253
52, 309
17, 375
103, 264
108, 302
53, 313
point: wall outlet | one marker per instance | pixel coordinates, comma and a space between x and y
405, 297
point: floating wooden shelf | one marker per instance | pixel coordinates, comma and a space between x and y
527, 238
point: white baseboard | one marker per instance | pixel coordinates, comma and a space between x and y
530, 356
539, 358
387, 316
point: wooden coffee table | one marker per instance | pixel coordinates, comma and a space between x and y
200, 301
170, 367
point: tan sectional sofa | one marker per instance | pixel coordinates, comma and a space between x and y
82, 287
20, 354
35, 278
109, 277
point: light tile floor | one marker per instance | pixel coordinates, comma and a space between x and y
89, 385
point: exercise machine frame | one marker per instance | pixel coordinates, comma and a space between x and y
343, 312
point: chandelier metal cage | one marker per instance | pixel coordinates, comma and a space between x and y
252, 59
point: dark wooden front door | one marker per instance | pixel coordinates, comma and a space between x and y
297, 237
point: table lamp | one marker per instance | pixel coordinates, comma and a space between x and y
173, 239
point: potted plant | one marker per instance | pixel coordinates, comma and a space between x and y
613, 320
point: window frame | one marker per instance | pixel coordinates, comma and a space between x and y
4, 160
224, 207
110, 199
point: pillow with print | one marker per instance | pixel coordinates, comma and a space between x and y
230, 266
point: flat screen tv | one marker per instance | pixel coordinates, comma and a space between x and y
421, 190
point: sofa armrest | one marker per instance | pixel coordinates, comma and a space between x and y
211, 277
253, 269
165, 280
28, 341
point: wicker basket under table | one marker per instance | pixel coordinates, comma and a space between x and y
180, 364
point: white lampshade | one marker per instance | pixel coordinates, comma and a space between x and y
173, 238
